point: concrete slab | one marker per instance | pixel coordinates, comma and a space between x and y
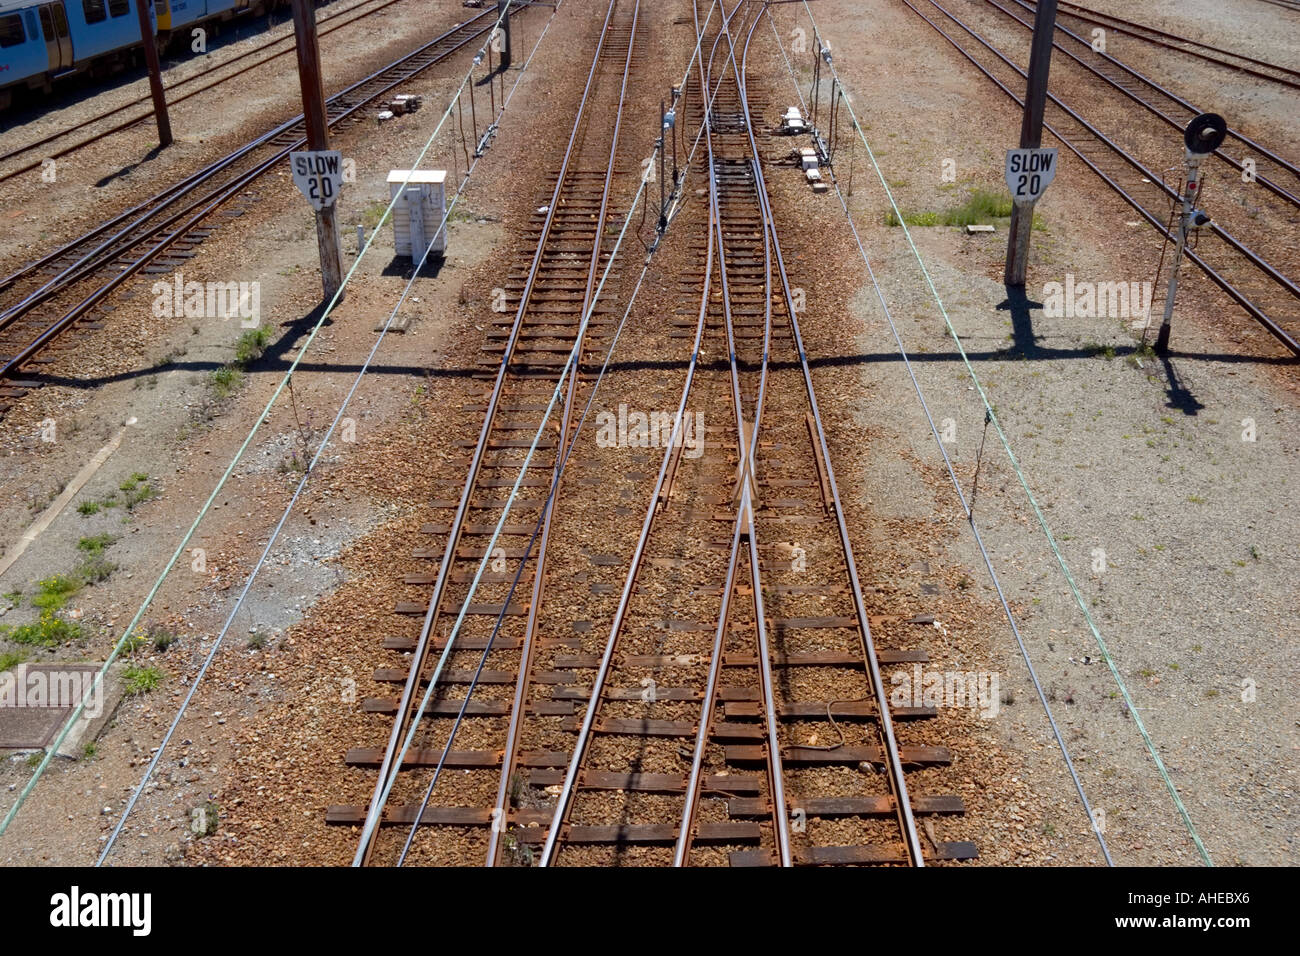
36, 700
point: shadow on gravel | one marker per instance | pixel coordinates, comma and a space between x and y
277, 356
131, 167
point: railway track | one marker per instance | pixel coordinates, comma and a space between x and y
177, 92
551, 288
734, 713
1246, 273
1073, 14
70, 286
1277, 175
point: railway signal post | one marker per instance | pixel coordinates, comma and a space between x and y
319, 169
1031, 138
503, 11
1203, 135
155, 75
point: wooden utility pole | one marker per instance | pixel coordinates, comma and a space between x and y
318, 139
1031, 136
155, 74
503, 11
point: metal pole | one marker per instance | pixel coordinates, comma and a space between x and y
318, 137
663, 200
503, 11
1031, 136
155, 73
1184, 221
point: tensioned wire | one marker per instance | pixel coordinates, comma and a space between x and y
1020, 476
966, 507
307, 474
263, 417
677, 428
376, 809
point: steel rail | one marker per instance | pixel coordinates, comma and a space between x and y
744, 531
387, 770
534, 607
328, 25
152, 205
1236, 164
209, 203
1160, 38
1156, 221
746, 487
565, 799
682, 849
903, 807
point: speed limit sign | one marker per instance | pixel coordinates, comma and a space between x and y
318, 173
1028, 173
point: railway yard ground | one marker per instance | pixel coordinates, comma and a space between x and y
707, 650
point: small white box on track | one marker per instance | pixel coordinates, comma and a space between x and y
808, 158
419, 211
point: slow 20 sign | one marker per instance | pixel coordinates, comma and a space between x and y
318, 174
1029, 172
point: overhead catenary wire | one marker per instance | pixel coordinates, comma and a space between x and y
988, 562
385, 785
1033, 501
285, 382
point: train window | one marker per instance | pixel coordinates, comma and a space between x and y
119, 8
94, 10
11, 31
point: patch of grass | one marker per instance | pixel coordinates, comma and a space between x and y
140, 679
1095, 348
95, 569
95, 545
251, 345
89, 508
11, 659
162, 638
34, 759
1196, 499
14, 597
225, 380
53, 592
372, 214
134, 641
89, 750
257, 640
982, 207
137, 490
48, 630
912, 218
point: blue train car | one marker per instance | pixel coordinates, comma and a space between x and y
23, 52
42, 40
102, 26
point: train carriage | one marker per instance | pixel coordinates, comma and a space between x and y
42, 41
23, 53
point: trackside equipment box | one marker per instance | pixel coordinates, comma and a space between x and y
419, 211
